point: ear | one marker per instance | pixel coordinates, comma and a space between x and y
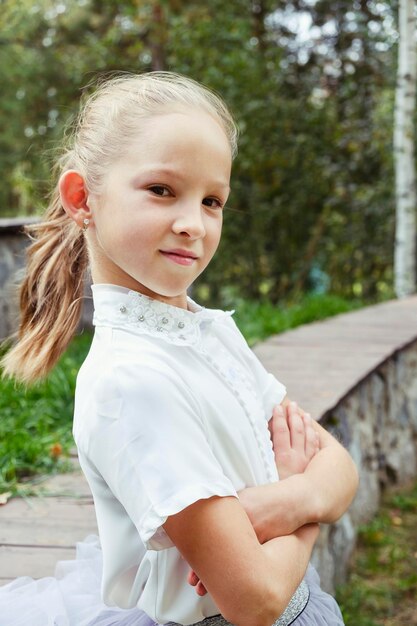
74, 196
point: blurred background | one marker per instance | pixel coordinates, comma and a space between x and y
309, 229
311, 84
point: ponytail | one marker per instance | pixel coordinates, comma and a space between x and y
50, 295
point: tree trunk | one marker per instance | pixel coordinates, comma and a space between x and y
405, 176
158, 37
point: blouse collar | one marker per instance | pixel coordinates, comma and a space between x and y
123, 308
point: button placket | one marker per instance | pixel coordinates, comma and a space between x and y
247, 399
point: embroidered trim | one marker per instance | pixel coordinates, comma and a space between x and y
157, 319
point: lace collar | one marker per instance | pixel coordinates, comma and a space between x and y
120, 307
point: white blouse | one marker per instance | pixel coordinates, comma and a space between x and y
171, 406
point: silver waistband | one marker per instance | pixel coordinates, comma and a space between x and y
295, 607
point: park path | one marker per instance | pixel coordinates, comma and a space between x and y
38, 531
320, 363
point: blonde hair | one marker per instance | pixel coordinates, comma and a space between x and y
57, 259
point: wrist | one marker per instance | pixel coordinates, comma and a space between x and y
304, 498
269, 512
252, 500
280, 508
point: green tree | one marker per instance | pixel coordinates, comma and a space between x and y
312, 184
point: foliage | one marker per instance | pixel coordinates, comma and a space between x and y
312, 185
260, 319
35, 424
382, 591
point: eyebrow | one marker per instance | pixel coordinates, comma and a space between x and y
167, 171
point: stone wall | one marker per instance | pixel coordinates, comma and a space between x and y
12, 250
13, 244
378, 424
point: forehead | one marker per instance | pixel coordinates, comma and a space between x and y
194, 139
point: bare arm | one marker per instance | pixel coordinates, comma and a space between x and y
322, 493
249, 582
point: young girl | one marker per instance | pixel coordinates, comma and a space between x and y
172, 408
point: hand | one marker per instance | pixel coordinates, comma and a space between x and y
294, 439
194, 580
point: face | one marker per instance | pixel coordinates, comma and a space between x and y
157, 220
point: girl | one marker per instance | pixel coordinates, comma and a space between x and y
172, 407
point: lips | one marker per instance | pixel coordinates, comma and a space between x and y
180, 256
181, 252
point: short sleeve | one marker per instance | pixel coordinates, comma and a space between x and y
273, 392
152, 449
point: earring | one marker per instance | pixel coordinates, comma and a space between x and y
86, 222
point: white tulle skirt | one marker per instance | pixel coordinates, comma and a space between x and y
72, 598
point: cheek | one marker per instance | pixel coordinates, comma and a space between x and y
132, 229
135, 246
214, 232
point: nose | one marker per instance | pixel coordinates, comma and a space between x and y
189, 221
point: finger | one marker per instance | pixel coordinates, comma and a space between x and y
271, 428
302, 412
310, 437
192, 578
281, 434
296, 427
201, 590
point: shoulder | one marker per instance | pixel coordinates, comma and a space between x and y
132, 376
232, 337
226, 324
123, 380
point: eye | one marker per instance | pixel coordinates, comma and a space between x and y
159, 190
216, 204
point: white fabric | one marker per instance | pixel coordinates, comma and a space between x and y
171, 407
73, 598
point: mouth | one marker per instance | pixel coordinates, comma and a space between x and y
179, 256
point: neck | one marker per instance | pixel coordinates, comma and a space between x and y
128, 282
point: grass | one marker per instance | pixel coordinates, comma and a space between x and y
382, 590
259, 320
35, 423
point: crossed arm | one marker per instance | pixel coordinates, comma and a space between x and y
318, 486
261, 544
